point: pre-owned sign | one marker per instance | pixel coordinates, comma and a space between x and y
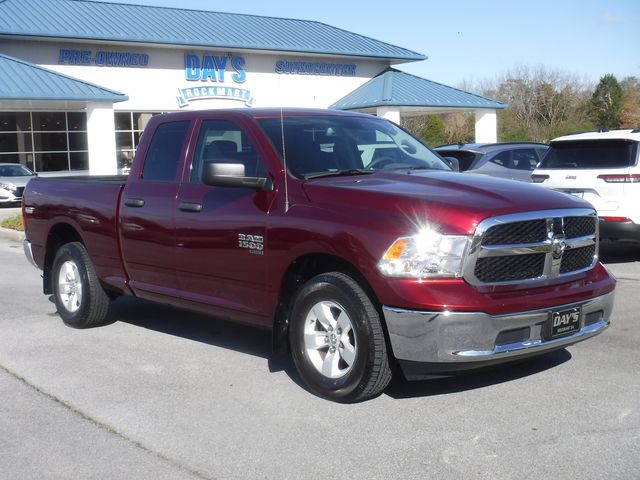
102, 58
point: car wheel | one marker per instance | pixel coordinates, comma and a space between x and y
336, 339
80, 299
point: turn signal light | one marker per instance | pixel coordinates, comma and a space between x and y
615, 219
631, 178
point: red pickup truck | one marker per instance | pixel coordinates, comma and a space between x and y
349, 238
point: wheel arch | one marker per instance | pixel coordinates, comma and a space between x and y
59, 235
302, 269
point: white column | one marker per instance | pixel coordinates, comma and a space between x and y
486, 126
101, 137
390, 113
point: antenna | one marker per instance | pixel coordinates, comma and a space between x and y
284, 155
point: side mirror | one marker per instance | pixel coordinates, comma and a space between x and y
453, 163
232, 175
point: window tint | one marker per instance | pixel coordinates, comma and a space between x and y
319, 145
524, 159
591, 154
222, 141
163, 156
502, 159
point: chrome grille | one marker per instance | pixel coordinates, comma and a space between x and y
575, 227
532, 247
516, 232
509, 267
577, 259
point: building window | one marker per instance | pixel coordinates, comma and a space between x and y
45, 141
129, 128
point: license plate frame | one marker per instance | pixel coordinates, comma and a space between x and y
564, 322
575, 193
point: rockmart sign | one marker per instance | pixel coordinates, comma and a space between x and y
218, 69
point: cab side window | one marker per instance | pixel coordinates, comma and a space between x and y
163, 156
222, 141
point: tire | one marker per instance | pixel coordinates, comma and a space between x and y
336, 340
80, 299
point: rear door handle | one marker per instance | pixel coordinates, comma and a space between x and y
190, 207
134, 202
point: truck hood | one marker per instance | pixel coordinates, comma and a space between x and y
453, 202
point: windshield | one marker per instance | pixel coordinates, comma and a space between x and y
318, 145
14, 171
591, 154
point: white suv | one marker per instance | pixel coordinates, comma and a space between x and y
602, 168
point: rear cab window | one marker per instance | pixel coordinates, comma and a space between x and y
163, 156
591, 154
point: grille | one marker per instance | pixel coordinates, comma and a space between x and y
532, 247
511, 267
516, 232
577, 259
575, 227
18, 192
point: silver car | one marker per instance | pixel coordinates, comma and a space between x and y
13, 178
512, 160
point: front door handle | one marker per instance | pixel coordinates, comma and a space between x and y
190, 207
134, 202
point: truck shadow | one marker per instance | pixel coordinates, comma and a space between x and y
201, 328
401, 388
254, 341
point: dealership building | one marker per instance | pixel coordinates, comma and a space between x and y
80, 79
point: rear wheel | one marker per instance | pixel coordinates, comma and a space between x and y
337, 340
80, 299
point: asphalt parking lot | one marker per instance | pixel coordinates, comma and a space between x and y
166, 394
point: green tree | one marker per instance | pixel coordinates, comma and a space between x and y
630, 113
606, 102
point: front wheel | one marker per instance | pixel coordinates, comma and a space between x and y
80, 299
336, 339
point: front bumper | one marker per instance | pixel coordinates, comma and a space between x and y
440, 343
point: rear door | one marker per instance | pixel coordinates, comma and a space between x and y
147, 212
591, 169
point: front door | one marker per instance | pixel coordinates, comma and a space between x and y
220, 232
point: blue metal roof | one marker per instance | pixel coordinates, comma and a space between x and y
92, 20
395, 88
20, 80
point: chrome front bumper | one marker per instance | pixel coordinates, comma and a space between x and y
470, 339
26, 245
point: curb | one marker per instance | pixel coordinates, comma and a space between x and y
11, 235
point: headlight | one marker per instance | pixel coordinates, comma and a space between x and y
11, 188
428, 254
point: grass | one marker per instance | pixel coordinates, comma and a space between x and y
14, 223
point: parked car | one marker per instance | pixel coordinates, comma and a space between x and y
13, 179
513, 160
602, 168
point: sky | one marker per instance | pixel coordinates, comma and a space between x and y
469, 42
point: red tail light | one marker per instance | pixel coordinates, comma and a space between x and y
539, 178
631, 178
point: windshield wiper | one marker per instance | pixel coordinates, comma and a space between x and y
340, 173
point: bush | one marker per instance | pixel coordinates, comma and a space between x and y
14, 223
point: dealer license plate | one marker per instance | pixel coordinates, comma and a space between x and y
565, 322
